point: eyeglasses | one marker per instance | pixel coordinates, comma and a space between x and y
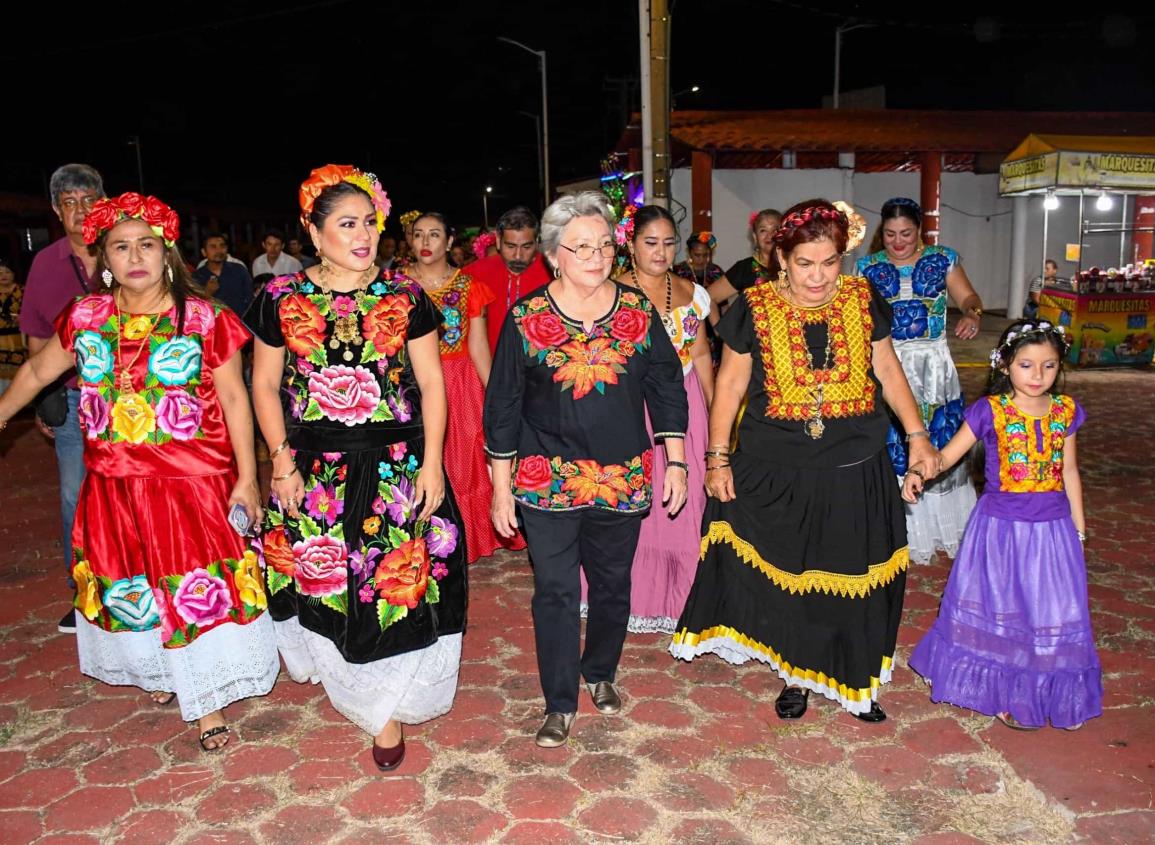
585, 252
72, 203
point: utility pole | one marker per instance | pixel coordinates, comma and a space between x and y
654, 26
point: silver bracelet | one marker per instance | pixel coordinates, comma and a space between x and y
1082, 535
923, 433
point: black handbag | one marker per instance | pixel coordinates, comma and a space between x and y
52, 405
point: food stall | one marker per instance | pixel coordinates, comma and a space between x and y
1107, 309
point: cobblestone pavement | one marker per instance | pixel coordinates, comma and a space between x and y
696, 756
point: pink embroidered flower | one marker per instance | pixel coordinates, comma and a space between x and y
441, 539
280, 285
379, 506
1019, 472
397, 451
440, 570
202, 599
344, 305
320, 566
167, 623
331, 456
92, 312
179, 415
93, 413
345, 394
322, 503
199, 317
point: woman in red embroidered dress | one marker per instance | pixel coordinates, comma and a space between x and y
466, 362
173, 596
804, 556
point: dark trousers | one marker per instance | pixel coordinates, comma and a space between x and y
603, 544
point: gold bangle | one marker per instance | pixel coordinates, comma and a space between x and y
288, 474
725, 446
279, 449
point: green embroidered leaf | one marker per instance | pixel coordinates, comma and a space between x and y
164, 326
338, 532
313, 411
339, 602
323, 303
115, 624
277, 581
191, 632
214, 569
617, 368
381, 414
368, 301
178, 638
369, 353
387, 613
600, 387
105, 583
232, 564
308, 527
318, 357
274, 517
432, 592
173, 582
397, 536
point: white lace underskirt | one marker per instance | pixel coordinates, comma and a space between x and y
413, 687
221, 666
939, 517
643, 624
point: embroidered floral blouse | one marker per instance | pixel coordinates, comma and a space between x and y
1024, 454
916, 292
689, 320
348, 362
782, 390
170, 424
568, 406
460, 300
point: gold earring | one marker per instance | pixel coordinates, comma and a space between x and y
782, 280
557, 272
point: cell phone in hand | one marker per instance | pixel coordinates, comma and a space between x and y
240, 520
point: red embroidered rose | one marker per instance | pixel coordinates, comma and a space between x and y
302, 324
544, 330
630, 324
648, 465
402, 577
533, 473
278, 553
386, 323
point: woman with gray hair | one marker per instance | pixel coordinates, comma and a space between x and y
578, 363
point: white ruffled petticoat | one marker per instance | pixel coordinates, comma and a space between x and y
223, 665
412, 687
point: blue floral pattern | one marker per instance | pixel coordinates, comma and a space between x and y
945, 421
884, 277
176, 361
131, 602
897, 450
910, 319
929, 277
93, 356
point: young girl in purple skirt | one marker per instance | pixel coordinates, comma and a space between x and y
1013, 636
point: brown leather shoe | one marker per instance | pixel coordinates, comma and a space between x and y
388, 759
555, 730
606, 698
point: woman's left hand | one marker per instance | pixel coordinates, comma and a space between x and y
968, 327
674, 490
924, 455
248, 495
430, 490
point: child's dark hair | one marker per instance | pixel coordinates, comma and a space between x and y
1014, 337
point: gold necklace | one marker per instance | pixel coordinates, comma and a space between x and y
346, 327
440, 282
814, 425
124, 376
668, 316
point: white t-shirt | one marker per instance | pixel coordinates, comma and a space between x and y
285, 264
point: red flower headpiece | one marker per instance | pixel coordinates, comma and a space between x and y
801, 218
624, 230
483, 242
706, 238
329, 175
163, 221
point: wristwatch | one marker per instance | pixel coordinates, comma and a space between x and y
978, 312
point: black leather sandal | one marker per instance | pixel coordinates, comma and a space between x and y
791, 703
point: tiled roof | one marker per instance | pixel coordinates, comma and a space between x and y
862, 130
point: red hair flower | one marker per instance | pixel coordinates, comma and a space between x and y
329, 175
106, 213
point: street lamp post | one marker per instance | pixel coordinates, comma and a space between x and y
544, 115
134, 141
537, 146
485, 203
838, 54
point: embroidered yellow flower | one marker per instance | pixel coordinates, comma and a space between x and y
87, 593
133, 418
248, 581
137, 327
372, 525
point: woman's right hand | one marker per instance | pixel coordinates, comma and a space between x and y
503, 511
720, 483
913, 482
290, 492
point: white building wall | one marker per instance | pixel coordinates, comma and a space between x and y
977, 224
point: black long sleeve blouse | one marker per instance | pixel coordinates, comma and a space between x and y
568, 406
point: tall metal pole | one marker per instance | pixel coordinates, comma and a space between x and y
537, 142
546, 193
647, 100
837, 62
660, 99
134, 140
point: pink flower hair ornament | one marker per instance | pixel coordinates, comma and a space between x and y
624, 230
482, 243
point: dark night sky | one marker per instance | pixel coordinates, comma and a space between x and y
235, 102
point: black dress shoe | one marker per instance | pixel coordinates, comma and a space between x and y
875, 714
791, 703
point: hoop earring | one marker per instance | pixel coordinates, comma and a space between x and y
106, 277
557, 272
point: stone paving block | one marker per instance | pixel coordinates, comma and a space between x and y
709, 831
20, 825
462, 821
257, 761
939, 737
302, 824
662, 714
69, 839
1127, 828
541, 833
604, 772
89, 808
234, 802
174, 785
11, 763
622, 818
124, 765
521, 754
147, 827
221, 837
387, 798
315, 778
465, 782
694, 793
30, 788
540, 797
103, 714
332, 742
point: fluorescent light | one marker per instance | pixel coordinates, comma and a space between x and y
1051, 202
1104, 202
